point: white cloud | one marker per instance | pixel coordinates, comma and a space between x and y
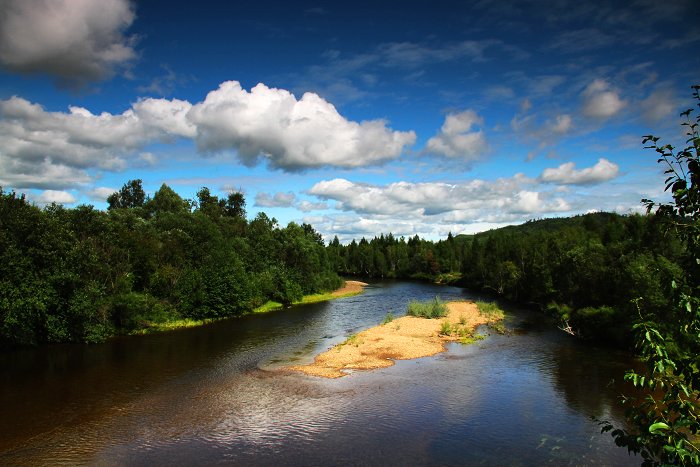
602, 171
264, 123
457, 139
79, 138
100, 193
54, 196
431, 210
290, 134
600, 101
466, 202
76, 41
659, 105
307, 206
40, 174
561, 125
148, 158
38, 144
279, 200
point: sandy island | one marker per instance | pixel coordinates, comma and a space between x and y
400, 339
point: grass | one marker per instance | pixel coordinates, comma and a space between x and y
171, 325
352, 340
471, 338
313, 298
435, 308
317, 297
269, 306
491, 310
445, 328
448, 278
388, 318
495, 314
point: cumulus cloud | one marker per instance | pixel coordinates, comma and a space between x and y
600, 101
54, 149
265, 123
433, 209
41, 174
278, 200
458, 137
287, 200
81, 139
100, 193
54, 196
77, 41
602, 171
464, 202
308, 206
290, 134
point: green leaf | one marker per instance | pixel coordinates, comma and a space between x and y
657, 427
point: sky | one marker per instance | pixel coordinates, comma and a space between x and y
360, 118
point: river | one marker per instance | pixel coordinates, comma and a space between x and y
215, 395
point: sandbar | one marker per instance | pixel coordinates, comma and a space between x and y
403, 338
349, 288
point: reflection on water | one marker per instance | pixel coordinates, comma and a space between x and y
216, 395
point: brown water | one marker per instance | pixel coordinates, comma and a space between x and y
213, 395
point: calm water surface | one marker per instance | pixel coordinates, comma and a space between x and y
216, 395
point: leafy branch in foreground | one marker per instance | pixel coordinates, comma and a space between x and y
664, 423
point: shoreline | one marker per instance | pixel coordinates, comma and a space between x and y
402, 338
348, 289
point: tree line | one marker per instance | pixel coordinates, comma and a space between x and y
587, 270
83, 275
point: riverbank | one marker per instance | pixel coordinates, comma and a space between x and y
404, 338
348, 289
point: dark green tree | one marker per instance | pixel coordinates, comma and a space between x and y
165, 200
235, 205
130, 196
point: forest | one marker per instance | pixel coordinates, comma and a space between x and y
84, 275
590, 271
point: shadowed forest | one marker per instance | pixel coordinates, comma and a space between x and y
83, 275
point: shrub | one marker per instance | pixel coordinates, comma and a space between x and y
388, 318
445, 328
491, 310
435, 308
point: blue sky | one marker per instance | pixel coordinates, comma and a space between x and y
413, 117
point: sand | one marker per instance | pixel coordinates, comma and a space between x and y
349, 288
401, 339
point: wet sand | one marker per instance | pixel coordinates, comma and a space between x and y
403, 338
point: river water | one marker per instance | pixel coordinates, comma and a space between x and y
217, 395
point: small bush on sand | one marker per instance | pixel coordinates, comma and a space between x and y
354, 339
388, 318
490, 310
445, 328
435, 308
